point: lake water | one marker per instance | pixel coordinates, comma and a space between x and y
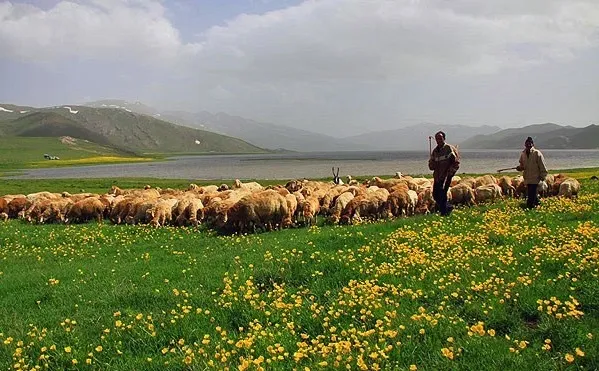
310, 165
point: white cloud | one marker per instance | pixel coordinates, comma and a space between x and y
318, 39
95, 29
388, 39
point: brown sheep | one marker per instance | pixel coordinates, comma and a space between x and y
192, 214
90, 208
569, 188
371, 205
339, 205
161, 212
489, 192
265, 209
3, 206
311, 209
462, 194
17, 207
397, 203
484, 180
291, 209
505, 182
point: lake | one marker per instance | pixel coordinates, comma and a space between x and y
309, 165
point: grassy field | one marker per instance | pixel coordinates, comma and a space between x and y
28, 152
490, 287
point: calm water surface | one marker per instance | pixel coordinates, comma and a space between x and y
310, 165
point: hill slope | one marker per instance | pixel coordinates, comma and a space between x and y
548, 136
120, 128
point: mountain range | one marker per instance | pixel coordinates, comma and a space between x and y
547, 136
138, 128
117, 127
276, 137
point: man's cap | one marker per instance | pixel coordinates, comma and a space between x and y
529, 139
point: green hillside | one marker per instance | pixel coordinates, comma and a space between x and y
547, 136
28, 152
117, 128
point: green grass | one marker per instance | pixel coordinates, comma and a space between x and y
28, 152
392, 293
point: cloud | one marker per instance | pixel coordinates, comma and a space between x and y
97, 29
390, 39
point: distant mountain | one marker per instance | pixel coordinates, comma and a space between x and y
262, 134
117, 127
416, 137
137, 107
548, 136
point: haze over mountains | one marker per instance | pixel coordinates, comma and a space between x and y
412, 138
136, 127
275, 137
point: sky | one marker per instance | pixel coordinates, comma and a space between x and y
337, 67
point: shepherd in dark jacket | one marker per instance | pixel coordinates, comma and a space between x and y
444, 162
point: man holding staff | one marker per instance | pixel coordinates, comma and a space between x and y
444, 161
532, 163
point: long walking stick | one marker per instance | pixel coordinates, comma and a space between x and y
430, 145
507, 168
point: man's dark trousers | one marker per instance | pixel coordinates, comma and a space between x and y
440, 196
532, 199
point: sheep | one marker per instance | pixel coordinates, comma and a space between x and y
11, 197
291, 209
397, 203
138, 212
455, 180
252, 186
351, 181
462, 194
471, 182
505, 182
340, 203
485, 180
294, 185
43, 195
488, 192
17, 207
161, 212
569, 188
519, 186
193, 213
266, 209
369, 205
543, 189
311, 209
3, 206
386, 183
557, 181
85, 210
412, 202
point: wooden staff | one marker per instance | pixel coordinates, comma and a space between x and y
430, 145
507, 168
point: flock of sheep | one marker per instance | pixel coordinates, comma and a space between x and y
245, 207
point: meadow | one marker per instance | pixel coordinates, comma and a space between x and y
28, 153
489, 287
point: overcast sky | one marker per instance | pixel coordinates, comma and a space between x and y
338, 67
